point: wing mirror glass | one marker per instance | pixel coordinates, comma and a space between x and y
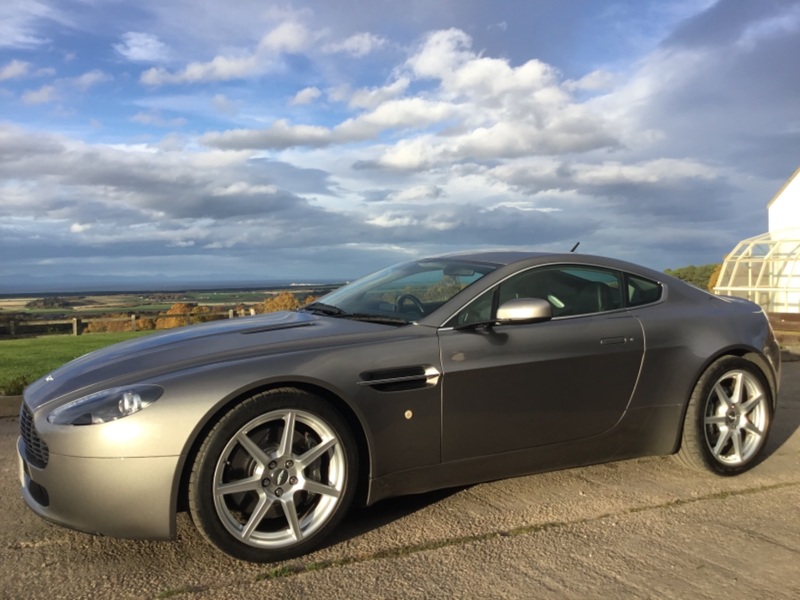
524, 310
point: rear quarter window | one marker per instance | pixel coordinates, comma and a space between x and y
642, 291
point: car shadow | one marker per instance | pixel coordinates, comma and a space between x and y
363, 519
786, 420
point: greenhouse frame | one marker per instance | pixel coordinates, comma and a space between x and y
766, 270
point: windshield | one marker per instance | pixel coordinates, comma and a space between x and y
404, 292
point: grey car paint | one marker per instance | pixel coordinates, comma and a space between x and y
466, 405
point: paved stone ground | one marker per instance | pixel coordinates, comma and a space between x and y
9, 406
644, 528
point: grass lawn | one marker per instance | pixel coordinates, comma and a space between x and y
26, 359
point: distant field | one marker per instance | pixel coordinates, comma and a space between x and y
90, 305
25, 360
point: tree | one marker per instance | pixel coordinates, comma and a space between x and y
183, 313
712, 281
284, 301
699, 276
49, 302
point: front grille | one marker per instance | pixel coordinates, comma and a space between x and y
36, 451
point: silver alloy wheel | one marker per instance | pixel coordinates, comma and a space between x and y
279, 479
736, 417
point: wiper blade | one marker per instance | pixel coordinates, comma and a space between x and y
328, 310
323, 309
375, 318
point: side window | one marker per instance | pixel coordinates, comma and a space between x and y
570, 290
642, 291
478, 311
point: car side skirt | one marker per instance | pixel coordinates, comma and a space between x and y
647, 431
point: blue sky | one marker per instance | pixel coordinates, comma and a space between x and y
197, 139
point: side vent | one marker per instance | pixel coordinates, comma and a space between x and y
401, 378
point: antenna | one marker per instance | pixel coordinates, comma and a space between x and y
575, 247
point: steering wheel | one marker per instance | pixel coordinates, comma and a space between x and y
412, 299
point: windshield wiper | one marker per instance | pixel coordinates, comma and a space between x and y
321, 308
375, 318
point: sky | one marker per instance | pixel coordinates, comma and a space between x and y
189, 140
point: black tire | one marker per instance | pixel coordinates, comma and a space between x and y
728, 418
291, 491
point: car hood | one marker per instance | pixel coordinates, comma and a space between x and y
196, 345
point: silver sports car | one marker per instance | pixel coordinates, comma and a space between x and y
439, 372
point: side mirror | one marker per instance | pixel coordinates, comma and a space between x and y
524, 310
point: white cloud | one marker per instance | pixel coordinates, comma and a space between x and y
447, 56
358, 45
221, 68
479, 108
59, 89
19, 20
287, 37
403, 113
306, 96
91, 78
142, 47
419, 194
243, 188
442, 52
654, 171
785, 23
406, 113
392, 220
155, 118
374, 97
45, 94
15, 68
280, 134
223, 104
594, 81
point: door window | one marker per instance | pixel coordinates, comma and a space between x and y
570, 290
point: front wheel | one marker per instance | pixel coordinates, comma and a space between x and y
727, 419
274, 476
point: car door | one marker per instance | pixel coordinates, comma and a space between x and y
517, 386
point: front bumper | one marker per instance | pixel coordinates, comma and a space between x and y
119, 497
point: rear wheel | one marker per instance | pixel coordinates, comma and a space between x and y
273, 477
728, 418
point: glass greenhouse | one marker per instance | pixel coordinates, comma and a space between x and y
765, 269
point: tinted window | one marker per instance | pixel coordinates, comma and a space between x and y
642, 291
570, 290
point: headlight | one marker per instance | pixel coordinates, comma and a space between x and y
105, 406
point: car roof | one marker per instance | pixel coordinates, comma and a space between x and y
502, 258
496, 257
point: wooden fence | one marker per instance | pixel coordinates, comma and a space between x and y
15, 327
